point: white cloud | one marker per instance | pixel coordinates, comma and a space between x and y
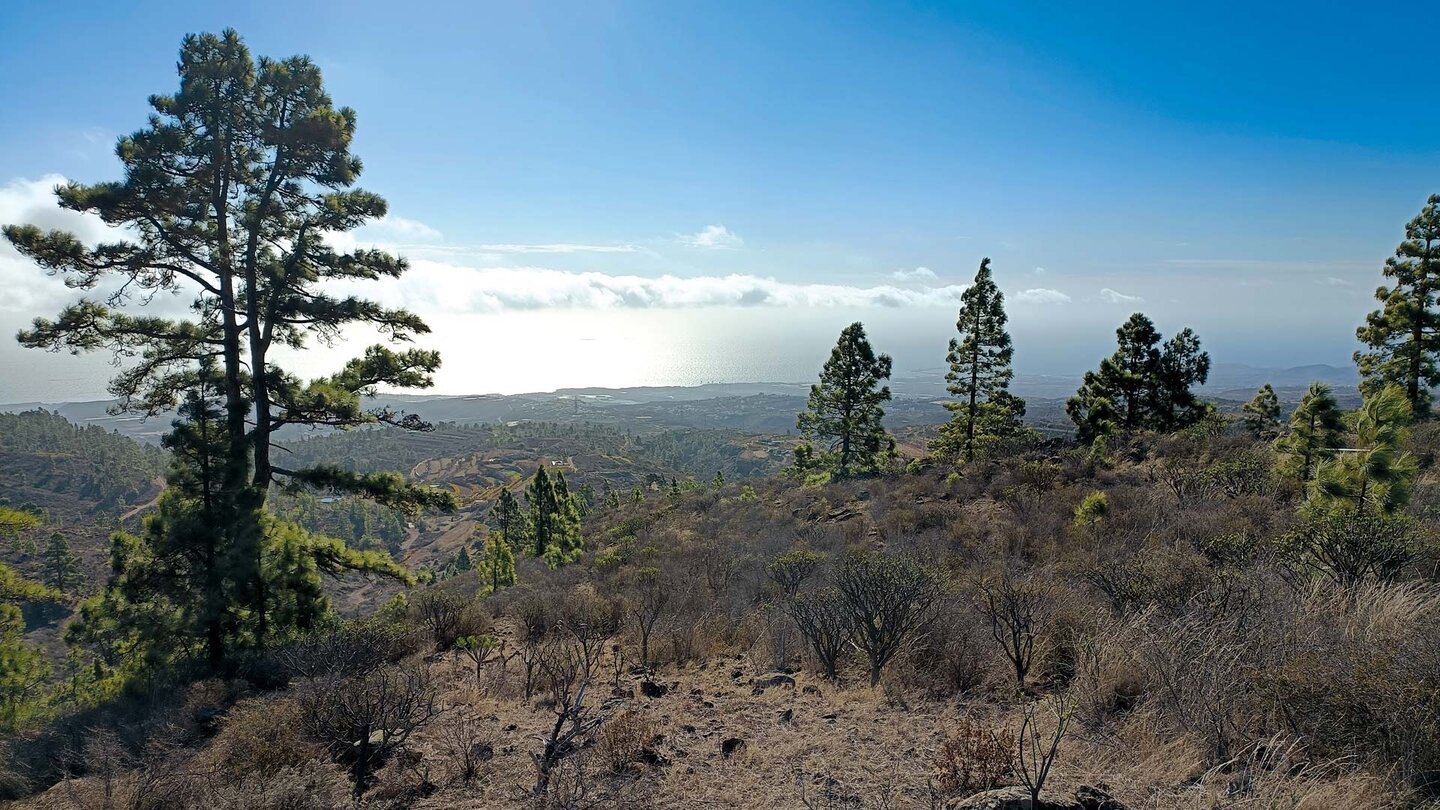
405, 228
28, 288
1332, 281
1120, 298
558, 247
1041, 295
1039, 271
432, 286
714, 237
913, 275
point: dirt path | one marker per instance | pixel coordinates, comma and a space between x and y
159, 482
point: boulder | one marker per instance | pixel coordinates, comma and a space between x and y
1007, 798
1088, 797
731, 746
774, 679
1097, 797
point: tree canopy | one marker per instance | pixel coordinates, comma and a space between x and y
1403, 335
984, 411
843, 415
1143, 385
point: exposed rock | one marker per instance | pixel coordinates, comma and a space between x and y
787, 716
1007, 798
730, 746
1097, 797
774, 679
206, 717
1018, 798
651, 689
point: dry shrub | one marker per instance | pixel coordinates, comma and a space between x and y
465, 744
1201, 678
448, 615
1276, 773
262, 736
1108, 680
622, 739
974, 757
1362, 677
118, 778
311, 786
348, 649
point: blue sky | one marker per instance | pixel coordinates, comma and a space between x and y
1240, 168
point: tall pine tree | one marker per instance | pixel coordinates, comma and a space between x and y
178, 583
497, 565
843, 415
979, 377
62, 566
1317, 429
1404, 334
508, 518
553, 520
1182, 365
229, 196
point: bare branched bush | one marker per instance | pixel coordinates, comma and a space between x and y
465, 744
648, 601
573, 721
780, 640
1019, 609
1040, 736
891, 600
346, 648
363, 721
827, 624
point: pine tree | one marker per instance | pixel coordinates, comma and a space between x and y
554, 519
1378, 474
1404, 334
23, 668
569, 542
509, 520
1262, 414
229, 195
461, 562
1143, 385
844, 413
62, 567
1316, 431
979, 377
497, 567
178, 582
1182, 365
540, 501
